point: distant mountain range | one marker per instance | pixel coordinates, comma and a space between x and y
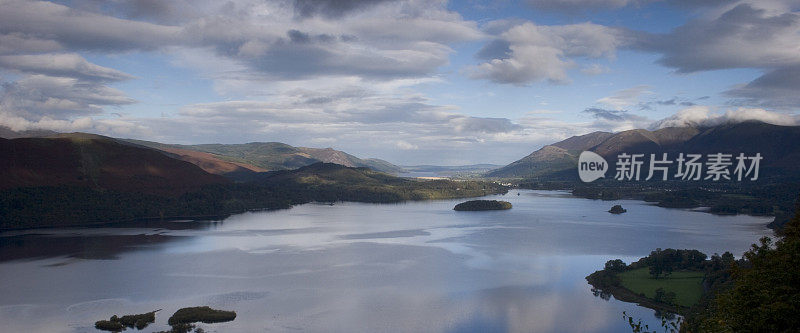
237, 160
79, 179
241, 160
777, 144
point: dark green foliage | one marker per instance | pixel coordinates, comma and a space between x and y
108, 325
666, 297
616, 265
669, 324
603, 279
116, 324
140, 321
659, 263
663, 262
202, 314
475, 205
324, 182
763, 294
766, 197
617, 209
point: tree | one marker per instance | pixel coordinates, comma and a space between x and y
660, 263
616, 265
666, 297
765, 291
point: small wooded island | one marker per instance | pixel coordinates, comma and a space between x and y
617, 209
183, 321
476, 205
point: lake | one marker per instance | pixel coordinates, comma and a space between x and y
352, 267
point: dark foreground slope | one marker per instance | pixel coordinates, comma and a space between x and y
84, 179
93, 161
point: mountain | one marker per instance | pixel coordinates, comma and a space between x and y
453, 171
330, 182
329, 155
210, 163
7, 133
553, 158
323, 173
93, 161
65, 194
777, 145
264, 156
450, 168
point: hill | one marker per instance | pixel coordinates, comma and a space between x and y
7, 133
263, 156
329, 182
83, 179
552, 158
87, 160
559, 160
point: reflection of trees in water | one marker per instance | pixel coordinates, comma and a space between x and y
664, 315
97, 247
670, 323
601, 293
96, 243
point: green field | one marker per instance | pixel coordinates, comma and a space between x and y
687, 285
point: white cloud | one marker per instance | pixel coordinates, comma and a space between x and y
38, 95
625, 98
595, 69
403, 145
64, 65
705, 116
537, 52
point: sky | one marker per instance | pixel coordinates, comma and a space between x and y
412, 82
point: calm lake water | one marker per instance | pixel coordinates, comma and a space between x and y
350, 267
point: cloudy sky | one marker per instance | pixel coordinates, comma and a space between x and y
412, 82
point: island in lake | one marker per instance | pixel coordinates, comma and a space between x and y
475, 205
617, 209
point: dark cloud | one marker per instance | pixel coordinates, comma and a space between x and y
78, 30
297, 36
158, 11
14, 43
496, 49
331, 8
615, 115
775, 89
664, 102
694, 4
306, 58
580, 6
742, 37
